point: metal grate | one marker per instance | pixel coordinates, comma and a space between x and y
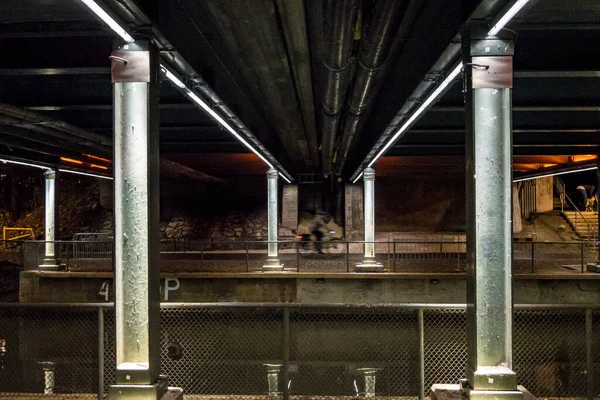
332, 352
49, 350
329, 351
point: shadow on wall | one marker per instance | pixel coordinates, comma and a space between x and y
435, 204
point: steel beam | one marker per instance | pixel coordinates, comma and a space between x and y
369, 263
488, 74
136, 168
50, 262
273, 263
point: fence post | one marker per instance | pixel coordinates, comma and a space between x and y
100, 353
394, 248
286, 352
347, 256
588, 354
421, 329
297, 256
582, 266
532, 257
247, 257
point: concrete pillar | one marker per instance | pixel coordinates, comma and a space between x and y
136, 169
369, 263
488, 74
273, 371
516, 207
50, 262
107, 193
354, 212
289, 207
272, 263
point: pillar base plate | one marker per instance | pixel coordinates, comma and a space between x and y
273, 265
456, 392
369, 266
50, 264
157, 391
593, 267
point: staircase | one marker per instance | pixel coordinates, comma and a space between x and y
584, 223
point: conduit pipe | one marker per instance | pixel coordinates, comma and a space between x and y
339, 20
378, 49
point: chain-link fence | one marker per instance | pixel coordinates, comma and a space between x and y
281, 351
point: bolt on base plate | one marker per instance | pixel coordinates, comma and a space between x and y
593, 267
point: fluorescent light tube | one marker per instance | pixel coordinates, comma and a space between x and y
114, 25
554, 174
432, 97
358, 177
506, 18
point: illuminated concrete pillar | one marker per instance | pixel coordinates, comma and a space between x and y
489, 74
272, 263
369, 263
50, 262
136, 168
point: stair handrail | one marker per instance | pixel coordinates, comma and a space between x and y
560, 187
591, 230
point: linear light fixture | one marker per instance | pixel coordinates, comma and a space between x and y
502, 21
199, 101
507, 17
70, 171
555, 174
358, 177
432, 97
23, 163
110, 21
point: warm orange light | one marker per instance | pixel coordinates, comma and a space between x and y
70, 160
98, 158
98, 166
586, 157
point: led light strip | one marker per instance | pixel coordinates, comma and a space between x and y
497, 27
70, 171
196, 99
24, 163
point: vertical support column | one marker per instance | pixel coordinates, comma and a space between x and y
50, 262
272, 263
595, 266
369, 263
136, 167
488, 78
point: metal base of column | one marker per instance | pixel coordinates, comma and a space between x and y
50, 264
593, 267
157, 391
273, 265
456, 392
369, 265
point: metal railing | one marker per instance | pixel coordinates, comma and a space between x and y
592, 232
338, 257
93, 246
243, 350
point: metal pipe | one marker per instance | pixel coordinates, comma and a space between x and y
339, 20
50, 262
589, 356
286, 352
375, 50
375, 306
272, 263
421, 328
100, 353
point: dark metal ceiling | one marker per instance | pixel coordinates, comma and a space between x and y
274, 63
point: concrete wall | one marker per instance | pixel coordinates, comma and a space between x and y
424, 204
310, 288
354, 203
